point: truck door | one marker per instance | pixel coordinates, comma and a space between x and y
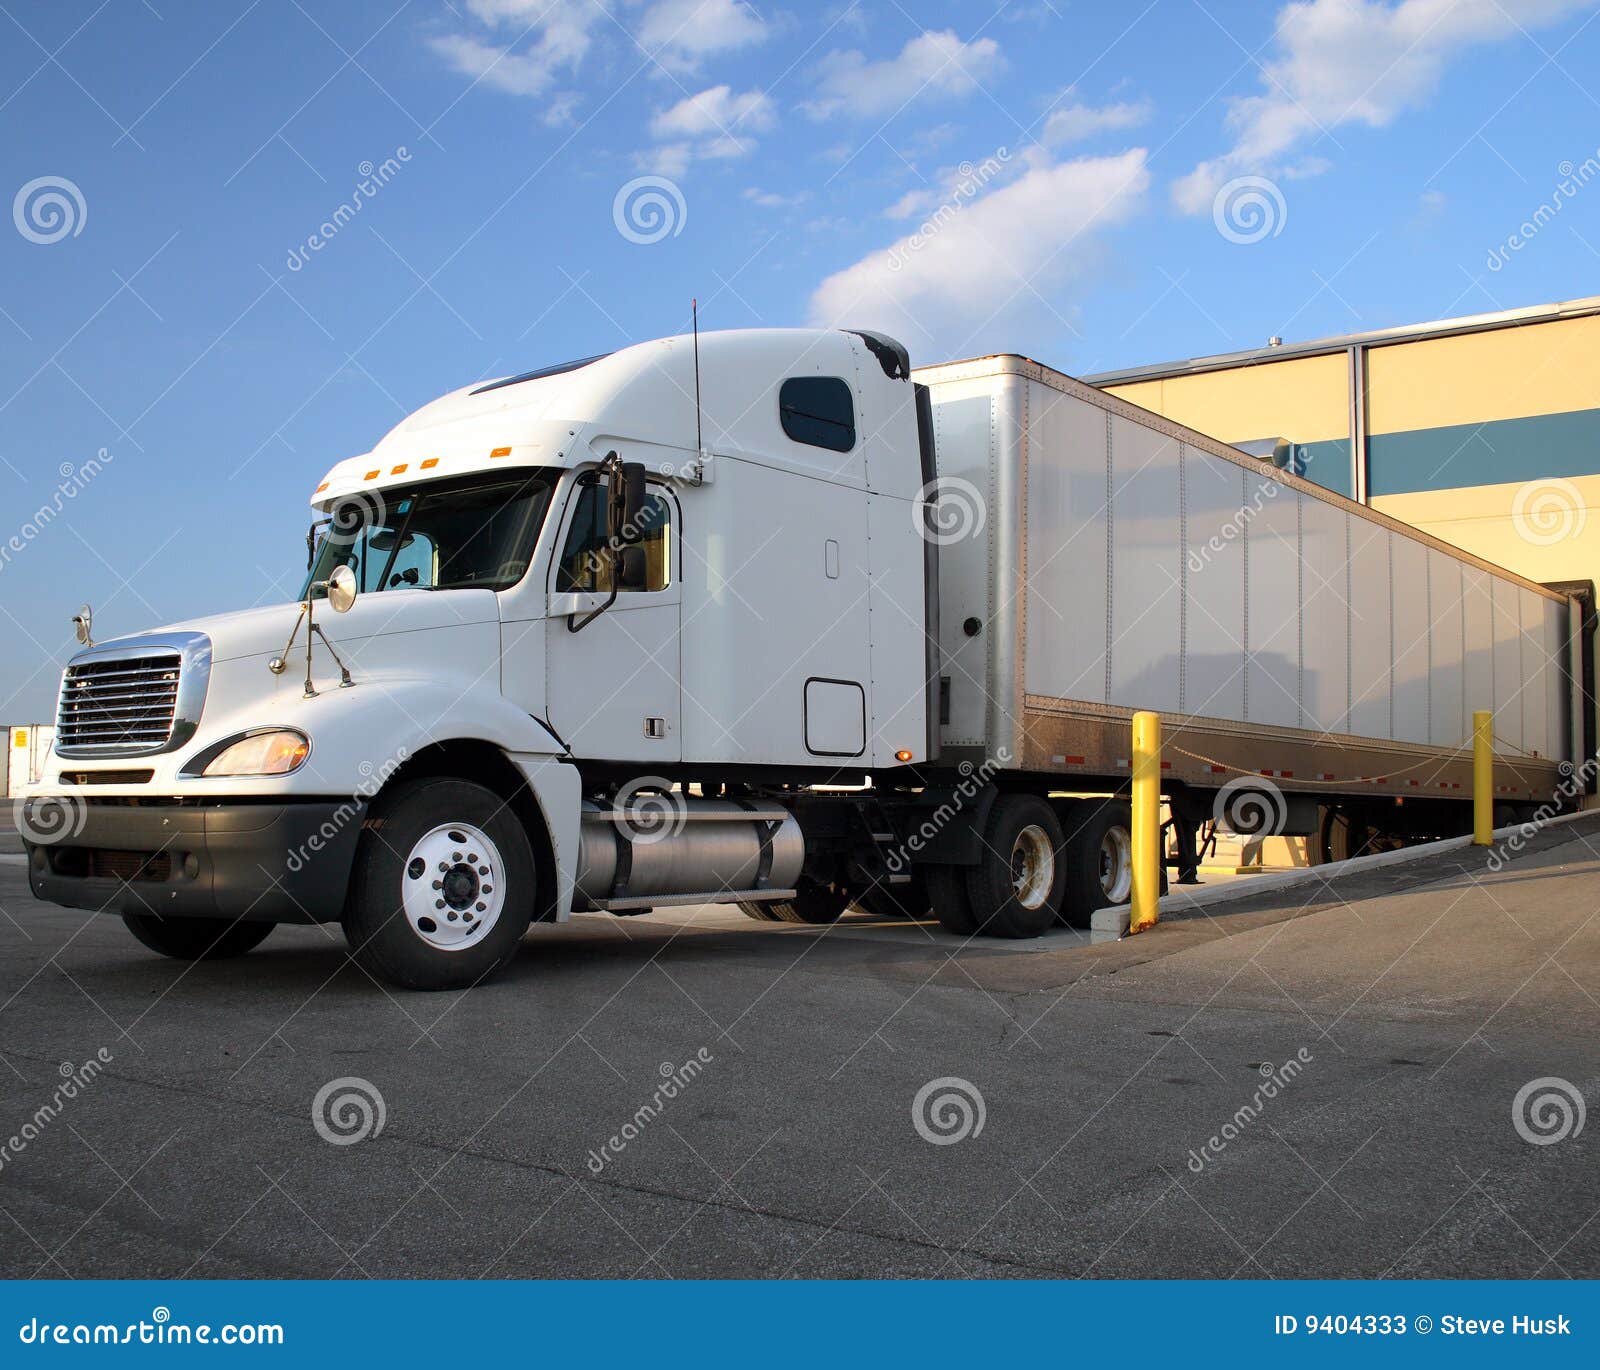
613, 680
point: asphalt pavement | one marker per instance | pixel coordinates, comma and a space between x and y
698, 1095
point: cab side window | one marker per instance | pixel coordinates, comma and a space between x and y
585, 565
818, 411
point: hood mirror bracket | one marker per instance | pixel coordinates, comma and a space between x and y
340, 588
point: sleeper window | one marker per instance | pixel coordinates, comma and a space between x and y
818, 411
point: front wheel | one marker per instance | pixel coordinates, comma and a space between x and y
196, 939
444, 886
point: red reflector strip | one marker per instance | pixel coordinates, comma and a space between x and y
1219, 770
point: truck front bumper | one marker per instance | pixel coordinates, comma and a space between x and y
264, 862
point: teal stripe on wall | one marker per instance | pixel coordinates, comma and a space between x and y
1484, 453
1328, 464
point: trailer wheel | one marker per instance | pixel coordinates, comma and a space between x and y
1017, 887
443, 886
1340, 835
896, 901
813, 903
1099, 859
952, 906
196, 939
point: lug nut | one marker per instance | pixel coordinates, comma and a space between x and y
482, 907
438, 903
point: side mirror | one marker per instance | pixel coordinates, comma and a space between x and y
631, 486
83, 626
632, 569
341, 589
1283, 454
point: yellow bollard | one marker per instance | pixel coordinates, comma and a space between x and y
1147, 854
1482, 778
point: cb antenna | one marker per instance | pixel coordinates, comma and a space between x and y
699, 440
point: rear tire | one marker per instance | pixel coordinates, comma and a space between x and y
1099, 859
813, 903
1017, 887
197, 939
947, 888
897, 901
444, 885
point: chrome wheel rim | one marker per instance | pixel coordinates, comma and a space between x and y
1033, 867
1116, 865
452, 886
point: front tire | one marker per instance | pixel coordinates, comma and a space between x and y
444, 886
197, 939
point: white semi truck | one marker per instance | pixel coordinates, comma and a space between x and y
765, 618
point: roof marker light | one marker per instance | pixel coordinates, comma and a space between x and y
500, 452
430, 463
397, 470
371, 475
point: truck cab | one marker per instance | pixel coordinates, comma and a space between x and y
563, 637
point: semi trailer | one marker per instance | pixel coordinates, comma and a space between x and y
765, 618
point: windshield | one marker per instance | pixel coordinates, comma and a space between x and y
475, 535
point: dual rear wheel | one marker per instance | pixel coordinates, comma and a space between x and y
1040, 866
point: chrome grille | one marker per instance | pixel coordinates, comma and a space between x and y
119, 705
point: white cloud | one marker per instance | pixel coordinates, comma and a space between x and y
550, 38
931, 63
717, 123
1352, 61
989, 260
770, 199
680, 33
1074, 123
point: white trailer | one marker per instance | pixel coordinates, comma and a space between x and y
760, 618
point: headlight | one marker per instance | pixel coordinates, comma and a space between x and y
268, 753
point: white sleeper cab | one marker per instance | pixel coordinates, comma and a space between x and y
764, 618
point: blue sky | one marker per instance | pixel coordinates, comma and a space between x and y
1052, 178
